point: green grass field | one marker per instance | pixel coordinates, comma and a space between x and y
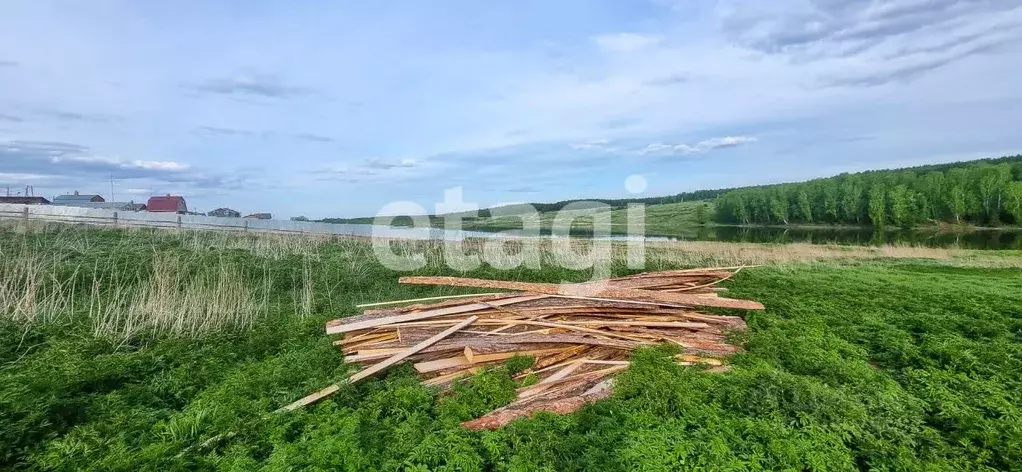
158, 350
670, 219
664, 219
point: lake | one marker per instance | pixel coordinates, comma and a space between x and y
977, 239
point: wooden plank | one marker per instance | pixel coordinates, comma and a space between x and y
363, 356
560, 374
415, 300
588, 376
475, 358
389, 350
660, 324
524, 408
448, 378
411, 351
310, 399
381, 312
492, 342
699, 271
441, 364
346, 327
547, 324
471, 358
330, 390
603, 290
364, 338
708, 284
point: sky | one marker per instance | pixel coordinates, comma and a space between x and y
335, 109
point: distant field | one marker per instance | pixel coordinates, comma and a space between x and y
670, 219
153, 350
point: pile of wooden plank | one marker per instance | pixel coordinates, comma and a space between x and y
579, 334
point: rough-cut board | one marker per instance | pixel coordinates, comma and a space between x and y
310, 399
591, 290
523, 409
503, 341
422, 315
476, 358
441, 364
414, 349
315, 397
427, 299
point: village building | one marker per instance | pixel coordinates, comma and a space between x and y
22, 200
167, 204
225, 213
76, 199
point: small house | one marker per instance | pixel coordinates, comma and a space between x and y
167, 204
76, 199
19, 200
225, 213
259, 216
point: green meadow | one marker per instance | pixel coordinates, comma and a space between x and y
151, 350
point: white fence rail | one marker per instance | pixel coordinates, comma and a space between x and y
94, 216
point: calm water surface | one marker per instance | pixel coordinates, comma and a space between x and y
980, 239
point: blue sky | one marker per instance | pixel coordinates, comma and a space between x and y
335, 110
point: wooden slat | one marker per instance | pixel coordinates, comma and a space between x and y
595, 289
412, 350
491, 342
441, 364
448, 378
427, 299
330, 390
560, 374
422, 315
660, 324
475, 358
311, 398
597, 374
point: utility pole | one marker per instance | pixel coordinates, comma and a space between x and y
112, 199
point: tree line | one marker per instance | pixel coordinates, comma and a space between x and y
623, 202
987, 192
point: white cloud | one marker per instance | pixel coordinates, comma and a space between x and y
592, 145
172, 166
167, 166
20, 177
374, 169
699, 148
625, 42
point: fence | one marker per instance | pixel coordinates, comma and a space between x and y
94, 216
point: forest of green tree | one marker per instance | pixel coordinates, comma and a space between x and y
987, 192
623, 202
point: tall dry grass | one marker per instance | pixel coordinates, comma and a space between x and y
168, 300
170, 286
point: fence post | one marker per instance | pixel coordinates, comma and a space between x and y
246, 226
115, 219
178, 221
24, 213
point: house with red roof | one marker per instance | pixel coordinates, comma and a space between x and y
167, 204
